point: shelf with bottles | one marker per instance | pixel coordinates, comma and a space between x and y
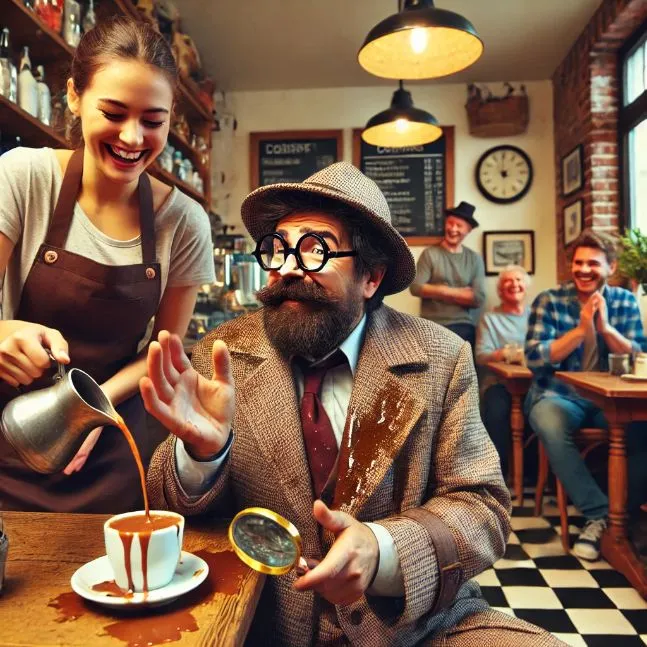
44, 43
33, 132
197, 150
168, 178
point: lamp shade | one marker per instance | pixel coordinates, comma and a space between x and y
402, 124
420, 42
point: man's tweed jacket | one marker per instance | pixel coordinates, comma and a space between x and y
413, 437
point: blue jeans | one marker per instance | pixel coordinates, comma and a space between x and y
555, 420
495, 407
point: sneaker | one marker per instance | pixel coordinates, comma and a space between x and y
587, 545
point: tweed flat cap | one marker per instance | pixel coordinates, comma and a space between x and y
347, 184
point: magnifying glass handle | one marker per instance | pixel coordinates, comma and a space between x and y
304, 565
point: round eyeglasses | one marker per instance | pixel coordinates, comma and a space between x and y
311, 251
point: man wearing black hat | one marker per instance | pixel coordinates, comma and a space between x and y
450, 278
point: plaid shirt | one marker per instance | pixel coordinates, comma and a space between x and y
554, 313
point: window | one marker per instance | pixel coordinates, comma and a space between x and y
633, 129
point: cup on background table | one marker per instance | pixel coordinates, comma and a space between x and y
619, 363
513, 354
154, 548
640, 365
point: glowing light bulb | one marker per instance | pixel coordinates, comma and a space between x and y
401, 125
418, 40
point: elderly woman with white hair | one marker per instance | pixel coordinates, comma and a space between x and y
500, 330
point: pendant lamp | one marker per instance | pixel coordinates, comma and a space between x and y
402, 124
420, 42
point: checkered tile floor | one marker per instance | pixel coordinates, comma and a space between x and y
582, 603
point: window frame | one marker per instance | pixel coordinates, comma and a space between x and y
629, 116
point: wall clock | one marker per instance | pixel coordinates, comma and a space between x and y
504, 174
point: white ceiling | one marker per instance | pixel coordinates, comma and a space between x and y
289, 44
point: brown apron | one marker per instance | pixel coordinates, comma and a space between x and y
102, 311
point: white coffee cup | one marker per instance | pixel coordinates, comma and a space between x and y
154, 554
640, 365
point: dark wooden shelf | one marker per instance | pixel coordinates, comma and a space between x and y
168, 178
33, 132
193, 105
26, 28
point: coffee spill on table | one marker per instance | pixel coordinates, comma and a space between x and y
70, 606
167, 624
226, 571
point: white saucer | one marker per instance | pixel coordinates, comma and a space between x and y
191, 572
634, 378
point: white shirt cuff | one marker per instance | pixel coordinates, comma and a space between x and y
388, 581
196, 477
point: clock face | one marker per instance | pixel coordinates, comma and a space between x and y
504, 174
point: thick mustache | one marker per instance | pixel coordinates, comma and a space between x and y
293, 291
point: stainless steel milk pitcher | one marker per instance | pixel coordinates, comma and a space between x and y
47, 427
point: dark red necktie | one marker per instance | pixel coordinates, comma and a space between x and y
318, 435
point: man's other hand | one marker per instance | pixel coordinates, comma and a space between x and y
348, 569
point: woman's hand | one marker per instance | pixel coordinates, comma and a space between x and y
82, 455
197, 410
23, 357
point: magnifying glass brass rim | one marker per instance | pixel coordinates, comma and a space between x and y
281, 521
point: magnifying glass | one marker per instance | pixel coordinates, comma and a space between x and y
266, 541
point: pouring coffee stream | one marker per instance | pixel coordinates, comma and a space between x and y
46, 427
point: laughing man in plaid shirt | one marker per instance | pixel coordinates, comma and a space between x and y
574, 328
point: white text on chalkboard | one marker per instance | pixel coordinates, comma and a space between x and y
289, 148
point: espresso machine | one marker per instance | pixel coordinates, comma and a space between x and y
238, 278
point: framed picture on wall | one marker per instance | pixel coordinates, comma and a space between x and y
573, 221
572, 173
502, 248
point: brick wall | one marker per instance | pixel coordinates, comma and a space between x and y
586, 100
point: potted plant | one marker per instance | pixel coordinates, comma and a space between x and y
632, 261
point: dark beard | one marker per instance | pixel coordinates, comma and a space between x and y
314, 333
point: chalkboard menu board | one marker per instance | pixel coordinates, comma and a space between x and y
417, 181
291, 156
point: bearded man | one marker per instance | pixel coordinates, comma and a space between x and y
357, 423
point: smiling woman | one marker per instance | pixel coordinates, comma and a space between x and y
92, 251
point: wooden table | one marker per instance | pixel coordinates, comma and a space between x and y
516, 380
38, 606
622, 402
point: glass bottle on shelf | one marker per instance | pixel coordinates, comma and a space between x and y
72, 23
178, 169
27, 86
90, 18
58, 113
50, 12
8, 72
44, 97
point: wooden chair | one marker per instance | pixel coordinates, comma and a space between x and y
588, 439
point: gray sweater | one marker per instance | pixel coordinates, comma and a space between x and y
462, 270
